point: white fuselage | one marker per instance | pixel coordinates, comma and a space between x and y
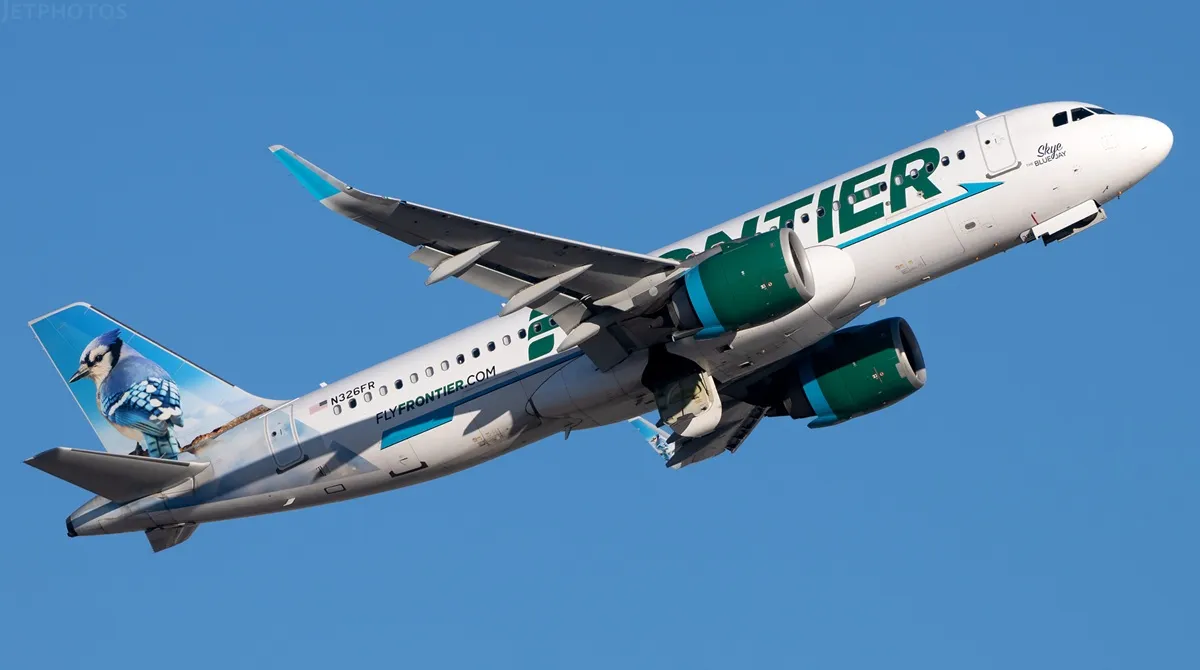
465, 398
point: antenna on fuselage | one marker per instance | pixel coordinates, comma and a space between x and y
980, 114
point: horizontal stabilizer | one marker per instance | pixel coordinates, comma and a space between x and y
169, 536
118, 477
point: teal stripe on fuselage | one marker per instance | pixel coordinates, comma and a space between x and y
971, 189
445, 414
429, 421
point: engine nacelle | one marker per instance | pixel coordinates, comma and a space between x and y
855, 371
751, 281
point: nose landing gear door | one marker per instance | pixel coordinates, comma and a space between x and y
994, 141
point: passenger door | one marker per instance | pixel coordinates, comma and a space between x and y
281, 437
994, 141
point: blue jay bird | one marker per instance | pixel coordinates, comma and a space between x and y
134, 393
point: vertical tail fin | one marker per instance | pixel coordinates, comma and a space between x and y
140, 397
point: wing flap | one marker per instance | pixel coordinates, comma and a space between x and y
491, 280
118, 477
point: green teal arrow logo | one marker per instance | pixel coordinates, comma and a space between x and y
971, 189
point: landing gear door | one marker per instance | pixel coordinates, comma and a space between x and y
690, 404
994, 141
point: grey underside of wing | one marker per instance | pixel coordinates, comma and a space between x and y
524, 255
738, 419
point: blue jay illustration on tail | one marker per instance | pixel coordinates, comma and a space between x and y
134, 394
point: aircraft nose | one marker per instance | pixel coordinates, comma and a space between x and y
1154, 141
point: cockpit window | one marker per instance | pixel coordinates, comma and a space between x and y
1099, 110
1060, 119
1079, 113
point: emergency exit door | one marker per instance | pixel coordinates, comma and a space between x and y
994, 141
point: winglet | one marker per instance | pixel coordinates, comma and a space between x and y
658, 439
318, 182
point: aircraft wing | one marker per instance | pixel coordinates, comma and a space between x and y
737, 421
569, 280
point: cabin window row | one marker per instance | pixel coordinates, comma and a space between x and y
445, 365
460, 359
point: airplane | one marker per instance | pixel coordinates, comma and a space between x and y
746, 320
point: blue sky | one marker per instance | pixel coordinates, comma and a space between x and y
1033, 506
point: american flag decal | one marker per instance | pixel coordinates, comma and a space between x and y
318, 407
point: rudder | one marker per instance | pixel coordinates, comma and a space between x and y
139, 396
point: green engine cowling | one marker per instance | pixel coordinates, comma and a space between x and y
751, 281
856, 371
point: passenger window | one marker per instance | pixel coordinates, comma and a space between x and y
850, 199
521, 334
882, 186
491, 346
475, 352
929, 167
835, 205
899, 181
913, 173
367, 397
399, 384
353, 403
1060, 119
553, 323
1079, 113
537, 328
429, 372
337, 409
460, 359
804, 218
383, 389
413, 378
961, 154
506, 340
445, 365
820, 212
945, 161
